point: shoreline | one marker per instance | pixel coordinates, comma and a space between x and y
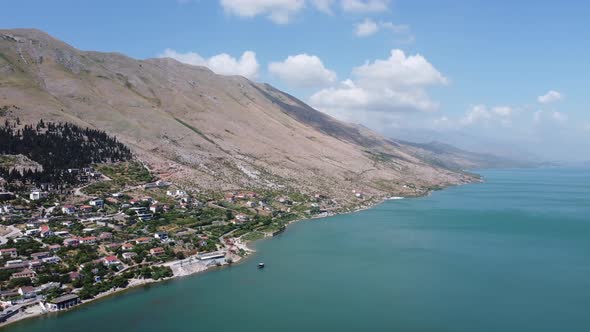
134, 284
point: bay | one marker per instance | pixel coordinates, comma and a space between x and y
510, 254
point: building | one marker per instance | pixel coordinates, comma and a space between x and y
54, 247
242, 217
71, 242
10, 252
36, 195
68, 209
45, 231
88, 240
51, 260
127, 246
111, 261
63, 302
176, 192
105, 236
26, 273
157, 251
99, 203
86, 208
142, 240
27, 291
129, 255
162, 236
155, 208
40, 255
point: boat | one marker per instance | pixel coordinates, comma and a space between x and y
260, 265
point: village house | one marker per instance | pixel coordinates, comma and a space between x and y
105, 236
26, 273
162, 236
142, 240
35, 264
111, 261
40, 255
36, 195
157, 251
45, 231
240, 217
175, 193
54, 247
71, 242
63, 302
97, 203
75, 275
10, 252
68, 209
51, 260
88, 240
127, 246
62, 233
86, 208
129, 255
250, 204
27, 292
155, 208
32, 232
230, 197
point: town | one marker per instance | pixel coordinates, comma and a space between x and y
116, 226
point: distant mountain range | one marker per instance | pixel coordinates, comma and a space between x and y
213, 132
451, 157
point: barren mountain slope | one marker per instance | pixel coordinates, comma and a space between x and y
201, 129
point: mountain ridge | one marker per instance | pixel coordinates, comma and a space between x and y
204, 130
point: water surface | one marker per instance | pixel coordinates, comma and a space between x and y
511, 254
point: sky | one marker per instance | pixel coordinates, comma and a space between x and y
494, 76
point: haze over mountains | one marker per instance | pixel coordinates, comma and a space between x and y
210, 131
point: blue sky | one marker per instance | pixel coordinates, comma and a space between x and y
480, 74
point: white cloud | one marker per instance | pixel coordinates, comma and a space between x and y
550, 97
365, 28
396, 84
559, 117
278, 11
399, 71
302, 70
223, 64
365, 6
323, 5
503, 111
477, 114
369, 27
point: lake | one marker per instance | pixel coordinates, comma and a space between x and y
510, 254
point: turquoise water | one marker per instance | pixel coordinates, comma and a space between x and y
511, 254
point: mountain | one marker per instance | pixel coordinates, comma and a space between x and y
204, 130
451, 157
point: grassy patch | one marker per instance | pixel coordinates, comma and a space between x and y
195, 130
253, 236
128, 173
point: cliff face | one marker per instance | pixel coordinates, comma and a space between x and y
202, 129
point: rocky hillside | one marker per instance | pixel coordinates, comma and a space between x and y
201, 129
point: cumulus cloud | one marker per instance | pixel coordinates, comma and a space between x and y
550, 97
302, 70
389, 86
365, 6
223, 64
366, 28
278, 11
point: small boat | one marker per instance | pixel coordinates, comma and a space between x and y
260, 265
